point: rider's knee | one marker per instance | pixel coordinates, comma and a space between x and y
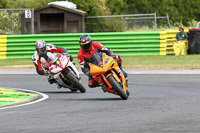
92, 83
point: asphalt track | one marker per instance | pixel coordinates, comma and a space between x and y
157, 103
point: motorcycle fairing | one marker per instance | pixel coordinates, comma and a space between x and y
110, 67
58, 64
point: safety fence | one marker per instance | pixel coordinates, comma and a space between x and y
121, 43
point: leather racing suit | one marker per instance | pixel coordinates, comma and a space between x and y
85, 68
40, 61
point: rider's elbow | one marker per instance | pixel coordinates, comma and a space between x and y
41, 72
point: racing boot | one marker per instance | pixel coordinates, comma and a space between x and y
71, 58
103, 88
119, 61
58, 86
125, 74
50, 79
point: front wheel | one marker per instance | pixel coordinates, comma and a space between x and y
117, 88
75, 82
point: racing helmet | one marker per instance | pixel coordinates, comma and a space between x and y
40, 47
85, 42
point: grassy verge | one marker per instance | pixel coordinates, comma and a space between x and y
162, 62
137, 62
15, 62
13, 97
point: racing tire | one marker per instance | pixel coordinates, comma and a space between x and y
117, 88
75, 82
127, 93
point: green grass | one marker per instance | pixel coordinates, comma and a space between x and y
137, 62
14, 62
162, 62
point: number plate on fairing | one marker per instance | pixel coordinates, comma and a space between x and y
107, 60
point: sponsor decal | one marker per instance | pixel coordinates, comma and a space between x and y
57, 62
107, 60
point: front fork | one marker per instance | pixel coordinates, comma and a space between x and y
73, 71
121, 79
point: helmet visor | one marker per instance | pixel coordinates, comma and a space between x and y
41, 51
86, 46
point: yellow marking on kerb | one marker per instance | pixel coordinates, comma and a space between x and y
3, 46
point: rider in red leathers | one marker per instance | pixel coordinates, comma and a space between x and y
88, 48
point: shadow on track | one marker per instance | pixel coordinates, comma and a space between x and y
93, 99
82, 98
61, 92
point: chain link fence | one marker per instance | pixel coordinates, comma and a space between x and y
10, 21
124, 23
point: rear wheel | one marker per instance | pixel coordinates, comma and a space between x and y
75, 82
117, 88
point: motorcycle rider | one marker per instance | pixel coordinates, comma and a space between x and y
88, 48
43, 54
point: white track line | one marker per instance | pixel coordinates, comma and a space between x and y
44, 97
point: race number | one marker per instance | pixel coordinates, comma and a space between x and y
27, 13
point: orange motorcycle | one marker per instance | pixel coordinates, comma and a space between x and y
105, 70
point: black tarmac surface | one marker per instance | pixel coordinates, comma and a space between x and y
157, 103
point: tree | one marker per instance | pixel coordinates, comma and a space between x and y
179, 11
116, 7
24, 3
2, 3
91, 7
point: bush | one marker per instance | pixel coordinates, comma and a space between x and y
6, 22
